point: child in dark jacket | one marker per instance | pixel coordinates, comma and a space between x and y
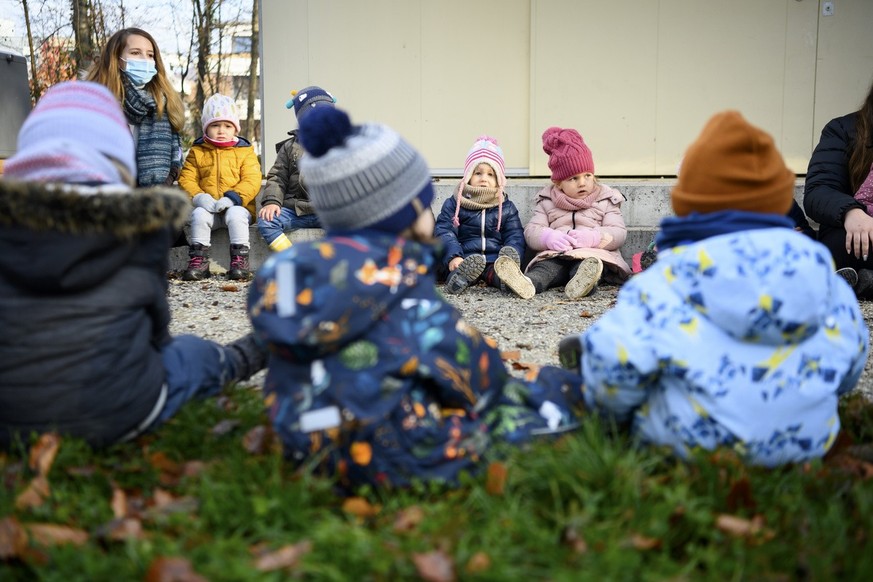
285, 204
86, 349
373, 377
480, 225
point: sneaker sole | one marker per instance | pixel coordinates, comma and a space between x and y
849, 275
585, 279
468, 271
512, 277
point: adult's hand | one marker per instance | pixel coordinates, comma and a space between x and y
859, 233
269, 212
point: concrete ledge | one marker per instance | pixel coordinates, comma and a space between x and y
648, 201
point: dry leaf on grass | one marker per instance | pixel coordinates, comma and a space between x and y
740, 527
118, 503
259, 440
119, 530
495, 482
34, 495
13, 539
643, 543
169, 471
360, 507
224, 426
435, 566
478, 563
408, 519
172, 570
43, 452
740, 496
49, 534
285, 557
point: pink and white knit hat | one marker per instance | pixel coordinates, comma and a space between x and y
219, 108
484, 151
568, 154
70, 136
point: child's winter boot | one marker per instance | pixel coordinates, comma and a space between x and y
239, 263
465, 275
198, 263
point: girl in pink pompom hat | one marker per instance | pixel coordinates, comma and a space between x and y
577, 228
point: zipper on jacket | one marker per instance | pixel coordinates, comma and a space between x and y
482, 231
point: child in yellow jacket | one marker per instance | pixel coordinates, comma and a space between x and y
222, 176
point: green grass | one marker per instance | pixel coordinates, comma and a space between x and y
587, 507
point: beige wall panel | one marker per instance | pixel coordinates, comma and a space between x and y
474, 79
844, 71
593, 68
717, 55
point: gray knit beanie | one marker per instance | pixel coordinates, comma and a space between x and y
363, 176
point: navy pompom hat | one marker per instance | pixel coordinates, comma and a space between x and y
362, 176
307, 99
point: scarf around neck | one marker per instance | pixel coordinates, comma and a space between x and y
564, 202
158, 147
475, 198
864, 195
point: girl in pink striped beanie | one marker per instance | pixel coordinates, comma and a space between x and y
480, 226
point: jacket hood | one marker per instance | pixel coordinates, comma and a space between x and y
319, 296
58, 236
737, 282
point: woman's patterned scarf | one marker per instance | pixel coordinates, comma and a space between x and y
158, 147
864, 195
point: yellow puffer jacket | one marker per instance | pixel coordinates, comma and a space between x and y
218, 170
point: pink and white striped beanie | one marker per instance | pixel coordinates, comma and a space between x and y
485, 150
70, 136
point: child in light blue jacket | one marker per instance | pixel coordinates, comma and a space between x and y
740, 335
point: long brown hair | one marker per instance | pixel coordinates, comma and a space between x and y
861, 157
106, 70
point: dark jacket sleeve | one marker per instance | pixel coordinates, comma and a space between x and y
279, 176
447, 232
827, 194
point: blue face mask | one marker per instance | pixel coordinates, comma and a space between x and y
140, 71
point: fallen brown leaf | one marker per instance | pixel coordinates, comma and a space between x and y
49, 534
43, 452
172, 570
739, 527
643, 543
740, 496
408, 519
257, 441
850, 464
224, 426
13, 539
510, 355
193, 468
169, 471
34, 495
360, 507
586, 313
495, 482
229, 287
434, 566
285, 557
119, 530
118, 503
478, 563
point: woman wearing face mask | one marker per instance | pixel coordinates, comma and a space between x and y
130, 66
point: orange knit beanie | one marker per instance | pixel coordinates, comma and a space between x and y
733, 165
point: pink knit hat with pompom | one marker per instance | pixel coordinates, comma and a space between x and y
568, 154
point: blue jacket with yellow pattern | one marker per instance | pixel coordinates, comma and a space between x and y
743, 339
375, 379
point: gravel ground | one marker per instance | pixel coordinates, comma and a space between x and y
215, 309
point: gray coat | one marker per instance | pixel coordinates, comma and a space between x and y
284, 185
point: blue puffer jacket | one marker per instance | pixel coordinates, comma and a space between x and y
375, 379
744, 340
477, 233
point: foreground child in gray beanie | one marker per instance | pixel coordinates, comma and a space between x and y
373, 377
85, 348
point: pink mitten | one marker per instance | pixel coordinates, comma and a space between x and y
555, 240
586, 238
